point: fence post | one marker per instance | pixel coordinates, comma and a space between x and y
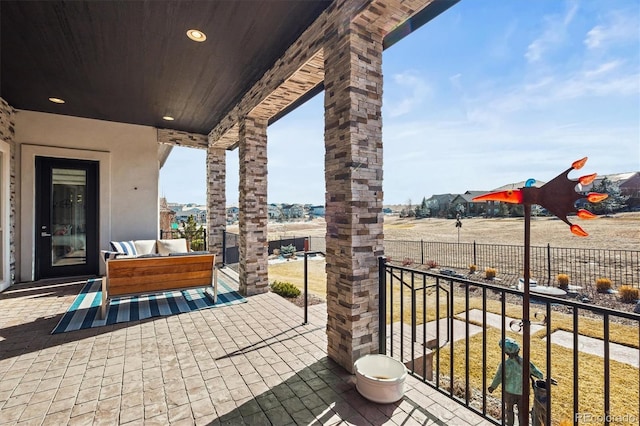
306, 290
475, 256
382, 305
422, 252
549, 264
224, 248
204, 239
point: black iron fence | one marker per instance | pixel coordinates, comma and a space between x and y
446, 331
584, 266
297, 242
230, 248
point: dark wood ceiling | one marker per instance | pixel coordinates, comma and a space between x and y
131, 61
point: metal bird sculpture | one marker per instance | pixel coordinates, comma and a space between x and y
558, 196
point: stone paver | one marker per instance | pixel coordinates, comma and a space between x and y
248, 364
593, 346
586, 344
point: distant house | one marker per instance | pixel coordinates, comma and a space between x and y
440, 205
274, 212
199, 213
492, 208
517, 185
292, 211
167, 215
316, 211
469, 207
232, 214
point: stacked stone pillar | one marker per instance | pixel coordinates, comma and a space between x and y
353, 176
216, 200
253, 272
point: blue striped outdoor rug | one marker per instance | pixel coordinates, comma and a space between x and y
84, 310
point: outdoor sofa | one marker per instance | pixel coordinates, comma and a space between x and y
155, 266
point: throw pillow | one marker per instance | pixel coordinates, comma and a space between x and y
126, 247
166, 247
145, 246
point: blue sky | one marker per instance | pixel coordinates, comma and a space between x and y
491, 92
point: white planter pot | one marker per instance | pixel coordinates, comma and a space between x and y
380, 378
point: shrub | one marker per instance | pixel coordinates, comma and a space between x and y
628, 294
285, 289
197, 244
490, 273
603, 285
432, 264
287, 250
563, 280
473, 269
407, 261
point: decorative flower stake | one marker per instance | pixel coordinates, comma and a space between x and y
558, 196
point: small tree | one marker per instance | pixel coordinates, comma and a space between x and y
193, 233
422, 210
615, 200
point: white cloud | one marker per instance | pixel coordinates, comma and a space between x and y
553, 35
411, 90
619, 27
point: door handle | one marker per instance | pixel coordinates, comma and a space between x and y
45, 234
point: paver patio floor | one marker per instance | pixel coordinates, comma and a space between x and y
253, 363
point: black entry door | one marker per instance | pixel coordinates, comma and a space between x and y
66, 217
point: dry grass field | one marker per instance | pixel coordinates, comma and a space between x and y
620, 231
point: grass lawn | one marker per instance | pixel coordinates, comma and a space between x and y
623, 385
293, 272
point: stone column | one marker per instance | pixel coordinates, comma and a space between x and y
353, 176
216, 200
253, 273
7, 133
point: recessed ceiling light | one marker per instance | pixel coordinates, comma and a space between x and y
196, 35
57, 100
168, 118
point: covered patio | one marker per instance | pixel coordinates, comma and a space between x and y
113, 86
101, 91
253, 363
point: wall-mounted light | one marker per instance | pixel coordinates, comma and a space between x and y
196, 35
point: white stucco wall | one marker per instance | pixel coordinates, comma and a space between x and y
128, 156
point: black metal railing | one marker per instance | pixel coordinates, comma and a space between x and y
278, 243
230, 248
197, 240
584, 266
445, 329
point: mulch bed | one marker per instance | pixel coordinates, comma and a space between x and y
588, 295
312, 299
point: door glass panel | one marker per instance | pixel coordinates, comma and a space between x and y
68, 217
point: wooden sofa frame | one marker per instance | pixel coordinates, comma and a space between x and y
147, 275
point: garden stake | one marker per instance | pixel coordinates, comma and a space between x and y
558, 196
